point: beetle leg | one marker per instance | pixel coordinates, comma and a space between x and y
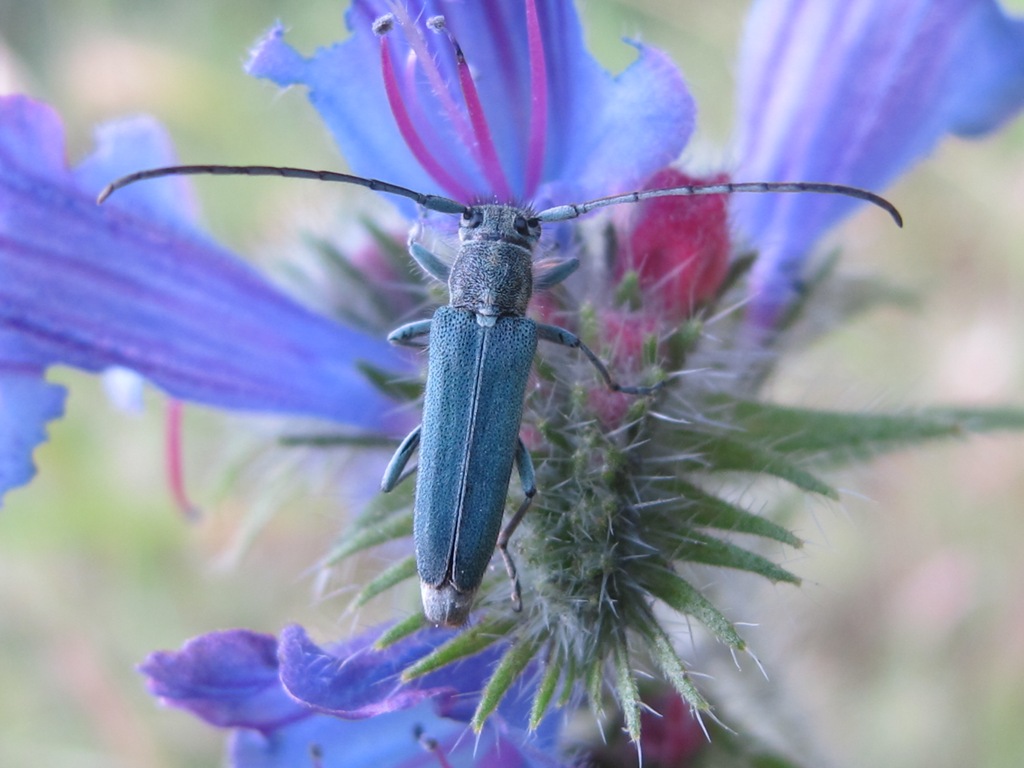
561, 336
393, 474
429, 262
528, 479
555, 274
405, 334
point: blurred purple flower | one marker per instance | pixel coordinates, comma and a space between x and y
290, 702
854, 92
133, 284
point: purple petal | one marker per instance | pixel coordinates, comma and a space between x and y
620, 130
99, 286
606, 134
385, 740
355, 108
229, 679
855, 91
355, 680
128, 145
390, 739
27, 403
354, 710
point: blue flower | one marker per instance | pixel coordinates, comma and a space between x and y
289, 702
855, 92
538, 120
135, 284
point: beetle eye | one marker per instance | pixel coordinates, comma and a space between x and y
472, 218
522, 226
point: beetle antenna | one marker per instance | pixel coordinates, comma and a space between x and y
571, 211
430, 202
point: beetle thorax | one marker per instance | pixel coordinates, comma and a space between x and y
493, 272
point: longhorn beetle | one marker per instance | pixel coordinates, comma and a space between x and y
480, 350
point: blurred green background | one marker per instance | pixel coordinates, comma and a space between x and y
905, 647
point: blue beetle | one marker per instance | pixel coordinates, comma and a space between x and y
481, 350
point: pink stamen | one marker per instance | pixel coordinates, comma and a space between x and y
438, 86
408, 129
175, 463
454, 162
487, 153
539, 99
